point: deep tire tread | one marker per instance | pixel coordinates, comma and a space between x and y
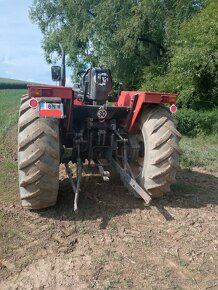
158, 124
31, 159
31, 179
161, 138
173, 130
38, 158
162, 157
27, 121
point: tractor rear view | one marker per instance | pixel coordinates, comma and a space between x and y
134, 133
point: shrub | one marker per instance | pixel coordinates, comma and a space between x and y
192, 123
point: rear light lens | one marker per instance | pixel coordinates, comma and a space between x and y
171, 99
173, 109
35, 93
47, 93
39, 93
33, 103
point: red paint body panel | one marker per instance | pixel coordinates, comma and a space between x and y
79, 103
50, 113
57, 92
126, 99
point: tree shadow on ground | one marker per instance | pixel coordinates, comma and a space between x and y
104, 200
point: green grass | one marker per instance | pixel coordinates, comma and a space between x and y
8, 182
201, 151
9, 107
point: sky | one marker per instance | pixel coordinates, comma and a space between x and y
21, 55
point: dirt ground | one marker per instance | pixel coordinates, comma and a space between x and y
114, 242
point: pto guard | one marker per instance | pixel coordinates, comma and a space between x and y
48, 92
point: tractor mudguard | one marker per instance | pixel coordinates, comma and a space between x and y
126, 98
41, 91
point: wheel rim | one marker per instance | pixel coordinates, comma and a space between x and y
136, 165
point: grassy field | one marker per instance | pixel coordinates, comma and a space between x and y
9, 106
201, 151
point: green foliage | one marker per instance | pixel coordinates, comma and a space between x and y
193, 123
158, 45
125, 36
193, 68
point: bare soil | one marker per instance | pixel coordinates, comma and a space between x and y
114, 242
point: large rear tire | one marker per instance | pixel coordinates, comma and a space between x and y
158, 160
38, 158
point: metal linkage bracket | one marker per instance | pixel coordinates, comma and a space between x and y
105, 174
75, 186
131, 182
126, 172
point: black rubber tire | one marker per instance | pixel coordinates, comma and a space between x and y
38, 158
161, 149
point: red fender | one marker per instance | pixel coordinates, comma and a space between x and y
126, 99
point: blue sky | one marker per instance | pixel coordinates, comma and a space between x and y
21, 55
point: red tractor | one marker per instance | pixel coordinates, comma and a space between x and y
135, 134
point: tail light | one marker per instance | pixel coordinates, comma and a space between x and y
40, 93
168, 99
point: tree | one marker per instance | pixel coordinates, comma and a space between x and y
193, 68
126, 36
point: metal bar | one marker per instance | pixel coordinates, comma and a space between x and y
79, 175
119, 136
132, 109
69, 174
76, 187
90, 148
104, 173
125, 160
63, 68
127, 178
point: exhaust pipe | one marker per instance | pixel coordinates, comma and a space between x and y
63, 67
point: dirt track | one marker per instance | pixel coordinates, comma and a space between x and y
114, 242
